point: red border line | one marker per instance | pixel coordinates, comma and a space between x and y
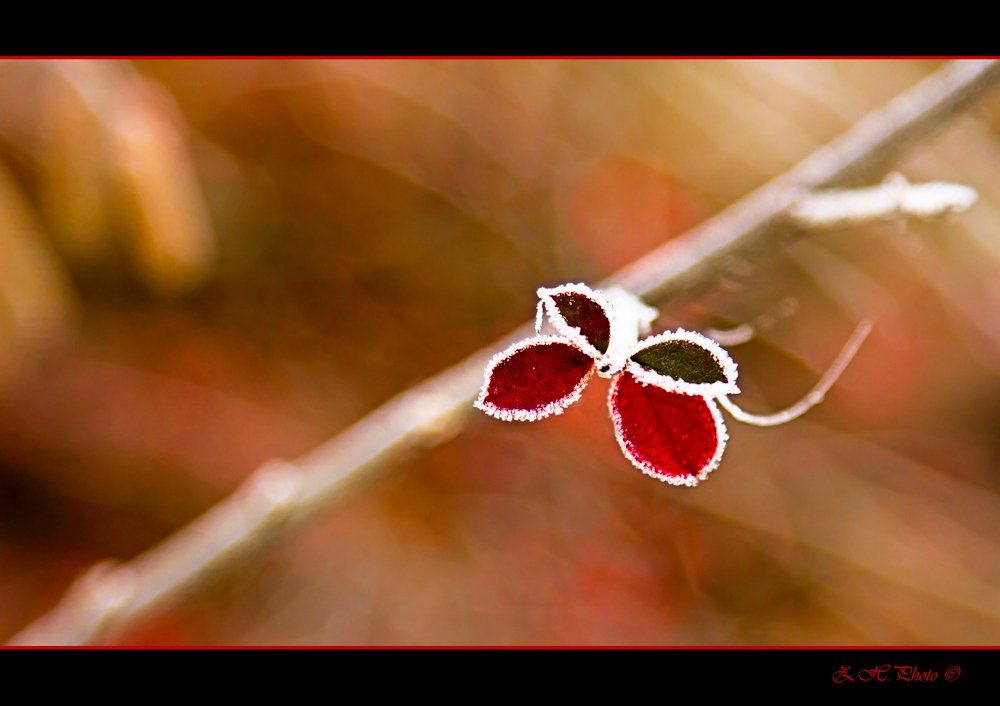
504, 57
699, 648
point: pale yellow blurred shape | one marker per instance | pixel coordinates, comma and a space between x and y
172, 239
36, 300
72, 174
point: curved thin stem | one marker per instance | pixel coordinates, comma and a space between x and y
815, 395
736, 336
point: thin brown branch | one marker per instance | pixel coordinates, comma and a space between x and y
281, 493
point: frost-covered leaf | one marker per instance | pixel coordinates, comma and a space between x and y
686, 362
671, 436
534, 378
581, 314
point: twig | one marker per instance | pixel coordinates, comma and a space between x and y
736, 336
893, 198
280, 493
815, 395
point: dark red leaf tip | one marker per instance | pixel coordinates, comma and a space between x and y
581, 314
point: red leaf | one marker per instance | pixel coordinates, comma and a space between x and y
534, 378
581, 314
587, 315
670, 436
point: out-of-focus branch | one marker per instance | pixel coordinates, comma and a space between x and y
109, 596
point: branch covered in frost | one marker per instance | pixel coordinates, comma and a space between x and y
281, 493
894, 198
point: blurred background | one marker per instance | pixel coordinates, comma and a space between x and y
208, 264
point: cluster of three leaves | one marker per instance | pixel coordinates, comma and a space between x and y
663, 388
